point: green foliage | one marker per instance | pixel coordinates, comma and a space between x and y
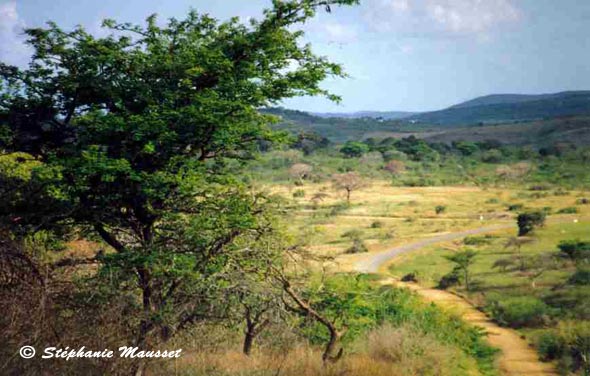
361, 306
354, 149
575, 249
439, 209
135, 138
580, 277
568, 210
463, 261
528, 221
550, 346
518, 312
299, 193
358, 246
477, 240
465, 147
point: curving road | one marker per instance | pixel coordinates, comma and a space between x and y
373, 262
517, 358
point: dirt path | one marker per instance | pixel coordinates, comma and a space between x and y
517, 358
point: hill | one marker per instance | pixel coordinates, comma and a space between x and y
493, 109
387, 115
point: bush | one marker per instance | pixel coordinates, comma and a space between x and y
377, 224
420, 182
518, 312
583, 201
439, 209
580, 277
575, 249
299, 193
527, 222
515, 207
358, 246
492, 156
476, 240
410, 277
550, 346
568, 210
353, 234
450, 279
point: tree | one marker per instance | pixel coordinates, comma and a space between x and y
527, 222
349, 182
300, 171
395, 167
130, 132
517, 243
354, 149
464, 260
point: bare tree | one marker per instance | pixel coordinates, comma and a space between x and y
395, 167
349, 182
300, 171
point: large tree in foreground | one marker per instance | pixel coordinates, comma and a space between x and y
128, 135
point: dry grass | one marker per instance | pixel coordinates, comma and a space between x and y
387, 351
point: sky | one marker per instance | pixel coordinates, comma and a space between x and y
400, 55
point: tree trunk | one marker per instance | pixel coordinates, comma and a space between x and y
248, 341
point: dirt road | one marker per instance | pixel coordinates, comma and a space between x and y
517, 358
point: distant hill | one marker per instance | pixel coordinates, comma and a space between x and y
388, 115
501, 108
509, 118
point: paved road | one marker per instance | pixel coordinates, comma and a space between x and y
372, 263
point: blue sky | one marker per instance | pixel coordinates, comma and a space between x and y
412, 55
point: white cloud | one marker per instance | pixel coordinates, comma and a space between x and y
454, 17
330, 31
12, 47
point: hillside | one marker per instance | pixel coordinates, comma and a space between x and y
507, 108
387, 115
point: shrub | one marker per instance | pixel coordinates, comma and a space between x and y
515, 207
518, 312
580, 277
354, 149
492, 201
576, 336
583, 201
299, 193
353, 234
439, 209
503, 264
476, 240
420, 182
358, 246
568, 210
450, 279
395, 167
377, 224
410, 277
575, 249
527, 222
539, 188
492, 156
550, 346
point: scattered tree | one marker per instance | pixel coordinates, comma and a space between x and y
464, 260
349, 182
300, 171
527, 222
